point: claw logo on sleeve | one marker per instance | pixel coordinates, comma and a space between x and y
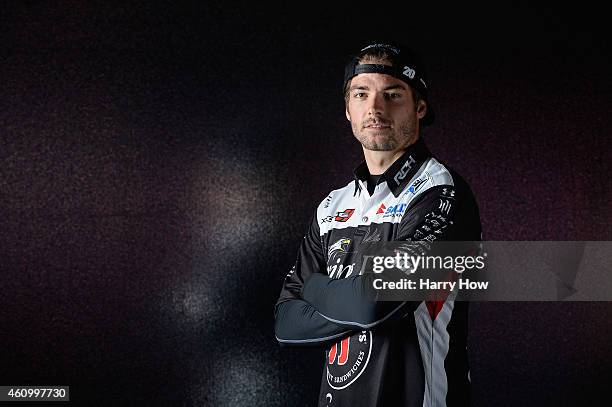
347, 359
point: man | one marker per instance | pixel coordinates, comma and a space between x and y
391, 353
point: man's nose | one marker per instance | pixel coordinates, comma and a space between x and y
376, 104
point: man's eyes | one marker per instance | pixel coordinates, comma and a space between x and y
387, 95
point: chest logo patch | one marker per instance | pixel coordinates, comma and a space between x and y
336, 254
348, 359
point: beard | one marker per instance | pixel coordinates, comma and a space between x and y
387, 139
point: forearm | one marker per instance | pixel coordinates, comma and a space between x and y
298, 323
351, 302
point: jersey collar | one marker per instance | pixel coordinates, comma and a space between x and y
400, 172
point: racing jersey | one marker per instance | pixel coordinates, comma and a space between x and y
381, 353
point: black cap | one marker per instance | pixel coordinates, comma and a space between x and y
406, 66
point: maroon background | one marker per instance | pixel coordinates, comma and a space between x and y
160, 163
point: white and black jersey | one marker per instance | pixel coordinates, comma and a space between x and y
381, 353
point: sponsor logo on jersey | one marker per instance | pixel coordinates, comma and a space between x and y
381, 209
448, 192
339, 270
401, 174
339, 357
444, 205
395, 210
341, 246
327, 201
326, 219
372, 235
336, 254
416, 185
348, 359
344, 215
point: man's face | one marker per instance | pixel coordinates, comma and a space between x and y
382, 112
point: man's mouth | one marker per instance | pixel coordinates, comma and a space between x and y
377, 126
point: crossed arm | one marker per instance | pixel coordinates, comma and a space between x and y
314, 309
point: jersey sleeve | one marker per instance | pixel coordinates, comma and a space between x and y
309, 260
443, 212
436, 214
297, 322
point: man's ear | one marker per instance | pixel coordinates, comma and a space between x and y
421, 109
348, 116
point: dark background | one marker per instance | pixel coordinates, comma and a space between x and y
159, 164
